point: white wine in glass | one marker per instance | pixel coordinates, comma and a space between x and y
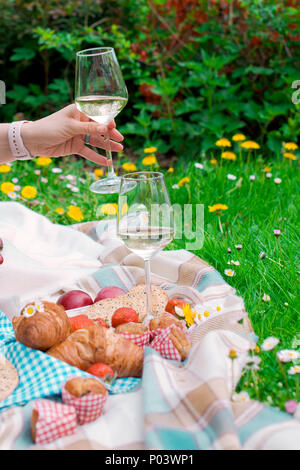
100, 94
101, 109
145, 220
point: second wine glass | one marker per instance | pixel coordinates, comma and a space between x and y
100, 94
145, 220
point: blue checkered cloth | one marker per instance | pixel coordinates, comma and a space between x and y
41, 375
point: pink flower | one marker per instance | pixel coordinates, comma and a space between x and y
291, 406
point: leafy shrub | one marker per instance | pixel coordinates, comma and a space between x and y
196, 69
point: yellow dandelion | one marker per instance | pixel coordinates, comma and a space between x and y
59, 211
290, 146
150, 160
290, 156
75, 213
267, 169
213, 161
5, 168
129, 167
250, 145
206, 313
150, 150
188, 314
228, 156
7, 187
98, 172
109, 209
238, 137
29, 192
171, 170
217, 207
43, 161
223, 143
184, 181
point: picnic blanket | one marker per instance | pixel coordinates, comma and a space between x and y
178, 406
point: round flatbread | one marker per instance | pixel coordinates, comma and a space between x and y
135, 298
9, 378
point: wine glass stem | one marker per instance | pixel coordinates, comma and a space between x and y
148, 289
110, 169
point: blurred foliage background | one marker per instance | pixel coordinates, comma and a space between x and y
196, 70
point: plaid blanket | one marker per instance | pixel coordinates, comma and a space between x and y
179, 406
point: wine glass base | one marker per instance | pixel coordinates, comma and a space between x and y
108, 185
111, 185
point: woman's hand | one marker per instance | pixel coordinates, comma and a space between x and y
63, 133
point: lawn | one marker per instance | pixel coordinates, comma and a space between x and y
261, 193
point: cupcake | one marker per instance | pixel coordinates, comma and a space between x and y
51, 420
87, 396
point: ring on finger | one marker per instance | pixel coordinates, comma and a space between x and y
87, 139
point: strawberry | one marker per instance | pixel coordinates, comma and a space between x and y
124, 315
80, 321
101, 322
170, 307
101, 370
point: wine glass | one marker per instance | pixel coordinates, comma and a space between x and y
145, 221
100, 94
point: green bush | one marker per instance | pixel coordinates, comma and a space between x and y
196, 70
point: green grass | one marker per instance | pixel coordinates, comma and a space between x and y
255, 209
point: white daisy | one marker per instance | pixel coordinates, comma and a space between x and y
29, 310
277, 180
288, 355
37, 172
179, 312
231, 177
266, 298
39, 306
241, 397
239, 246
229, 272
56, 170
202, 314
252, 177
277, 232
44, 180
252, 362
17, 187
268, 175
294, 370
12, 195
175, 186
199, 165
15, 180
269, 343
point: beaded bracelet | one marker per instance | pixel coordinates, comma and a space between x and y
17, 147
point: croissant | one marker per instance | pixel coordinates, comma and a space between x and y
41, 325
98, 344
163, 321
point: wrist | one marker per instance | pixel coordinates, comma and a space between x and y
5, 151
29, 137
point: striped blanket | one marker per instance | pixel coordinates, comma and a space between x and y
185, 406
